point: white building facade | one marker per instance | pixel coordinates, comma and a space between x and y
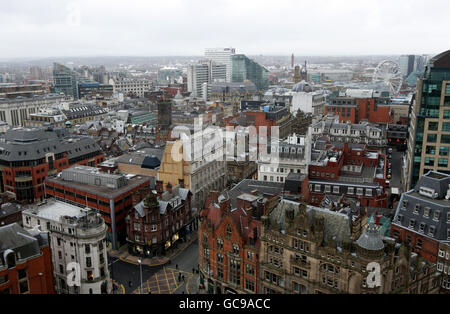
131, 85
222, 56
77, 237
204, 72
294, 156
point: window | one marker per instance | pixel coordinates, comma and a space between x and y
327, 188
336, 189
421, 227
443, 162
228, 232
350, 190
249, 285
412, 223
433, 126
220, 258
419, 243
426, 212
359, 191
429, 161
368, 192
220, 244
445, 138
154, 228
443, 150
317, 188
431, 138
431, 230
87, 249
436, 215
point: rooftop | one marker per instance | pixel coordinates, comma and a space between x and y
106, 190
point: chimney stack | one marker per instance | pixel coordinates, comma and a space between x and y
214, 195
159, 186
225, 205
169, 187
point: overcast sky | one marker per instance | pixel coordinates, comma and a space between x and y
59, 28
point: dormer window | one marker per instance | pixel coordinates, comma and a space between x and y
426, 212
412, 222
431, 230
404, 204
422, 227
400, 218
436, 215
416, 209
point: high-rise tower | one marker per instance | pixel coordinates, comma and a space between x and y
429, 129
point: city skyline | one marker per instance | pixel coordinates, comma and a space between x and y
38, 29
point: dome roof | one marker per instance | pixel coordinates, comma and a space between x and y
302, 87
371, 239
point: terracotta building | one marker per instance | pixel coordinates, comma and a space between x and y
229, 248
25, 261
443, 266
29, 155
311, 250
229, 236
160, 220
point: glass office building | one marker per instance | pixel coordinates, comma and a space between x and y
247, 69
429, 142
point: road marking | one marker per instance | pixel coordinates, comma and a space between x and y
123, 288
187, 284
157, 282
174, 280
167, 279
148, 286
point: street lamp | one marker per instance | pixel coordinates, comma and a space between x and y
140, 267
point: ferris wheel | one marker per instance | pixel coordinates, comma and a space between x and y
388, 72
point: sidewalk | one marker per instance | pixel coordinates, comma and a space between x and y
193, 285
125, 256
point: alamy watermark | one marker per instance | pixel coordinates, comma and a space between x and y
230, 144
374, 277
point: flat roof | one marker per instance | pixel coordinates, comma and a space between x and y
54, 210
103, 191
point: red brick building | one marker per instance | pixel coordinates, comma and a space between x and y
25, 262
113, 195
160, 220
423, 216
229, 242
350, 169
29, 155
374, 110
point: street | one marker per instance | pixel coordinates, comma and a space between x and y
157, 279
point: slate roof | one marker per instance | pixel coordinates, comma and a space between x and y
336, 225
406, 212
371, 239
35, 143
7, 209
23, 242
242, 220
247, 186
85, 110
165, 199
